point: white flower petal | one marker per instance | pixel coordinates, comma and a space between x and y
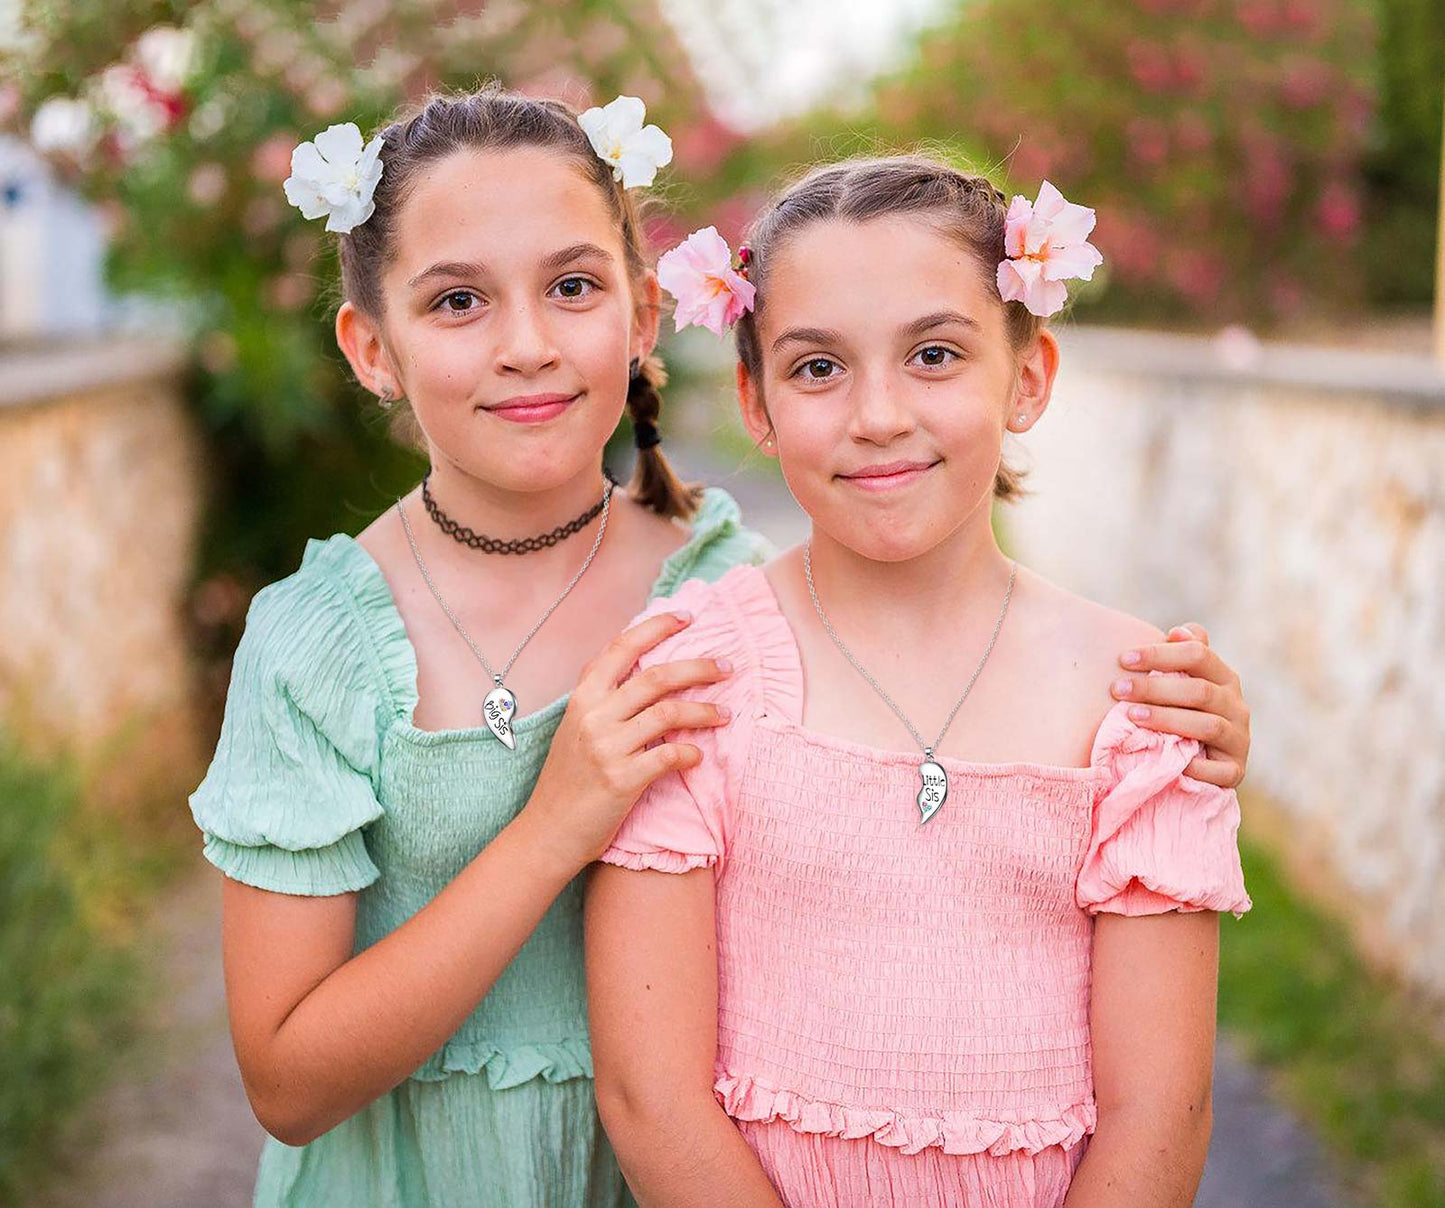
625, 115
303, 195
340, 145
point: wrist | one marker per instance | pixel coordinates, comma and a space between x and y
547, 846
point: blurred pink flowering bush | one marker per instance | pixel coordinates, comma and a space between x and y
1220, 141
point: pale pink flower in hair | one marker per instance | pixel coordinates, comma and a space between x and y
699, 273
1047, 242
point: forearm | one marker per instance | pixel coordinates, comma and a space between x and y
1145, 1158
372, 1021
680, 1155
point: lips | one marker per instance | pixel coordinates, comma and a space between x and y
531, 408
887, 476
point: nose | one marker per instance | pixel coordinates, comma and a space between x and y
524, 344
879, 413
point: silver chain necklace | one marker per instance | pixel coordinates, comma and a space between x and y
499, 709
933, 791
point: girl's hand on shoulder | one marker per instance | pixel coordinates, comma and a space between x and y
600, 759
1209, 706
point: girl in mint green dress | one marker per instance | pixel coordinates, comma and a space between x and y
433, 729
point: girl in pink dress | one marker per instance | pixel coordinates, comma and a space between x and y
930, 922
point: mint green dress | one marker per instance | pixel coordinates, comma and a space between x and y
321, 785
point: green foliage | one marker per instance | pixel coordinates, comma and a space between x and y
68, 978
1360, 1062
1402, 169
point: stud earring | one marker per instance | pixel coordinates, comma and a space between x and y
384, 397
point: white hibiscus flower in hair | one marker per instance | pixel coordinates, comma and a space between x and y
618, 136
336, 176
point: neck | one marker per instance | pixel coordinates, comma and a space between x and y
930, 594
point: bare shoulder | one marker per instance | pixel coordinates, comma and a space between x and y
1074, 644
1093, 634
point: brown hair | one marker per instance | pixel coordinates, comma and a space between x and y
967, 207
495, 118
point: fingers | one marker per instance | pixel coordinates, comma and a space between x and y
1185, 654
1191, 693
1225, 739
648, 687
668, 757
620, 655
1189, 630
1224, 772
674, 714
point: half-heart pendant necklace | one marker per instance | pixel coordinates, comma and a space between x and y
499, 708
933, 787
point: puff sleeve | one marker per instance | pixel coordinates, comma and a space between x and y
1159, 840
291, 786
681, 820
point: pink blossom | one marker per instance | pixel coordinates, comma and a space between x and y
1047, 243
1338, 212
1306, 83
699, 274
1148, 141
271, 160
1149, 65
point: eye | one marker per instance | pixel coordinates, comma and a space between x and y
575, 287
817, 369
935, 356
459, 301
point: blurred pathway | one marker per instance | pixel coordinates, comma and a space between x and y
174, 1129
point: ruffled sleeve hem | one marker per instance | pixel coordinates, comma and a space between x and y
1160, 840
504, 1068
343, 560
343, 867
746, 1098
657, 861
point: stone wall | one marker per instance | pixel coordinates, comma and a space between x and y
1293, 500
99, 503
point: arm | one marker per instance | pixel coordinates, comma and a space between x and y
652, 998
320, 1032
1209, 706
1151, 1011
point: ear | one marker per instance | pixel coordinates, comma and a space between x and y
647, 316
359, 337
755, 413
1034, 384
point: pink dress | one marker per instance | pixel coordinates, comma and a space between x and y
903, 1009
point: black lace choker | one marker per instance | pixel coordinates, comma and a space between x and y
519, 545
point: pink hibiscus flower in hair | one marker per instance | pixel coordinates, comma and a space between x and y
699, 273
1047, 242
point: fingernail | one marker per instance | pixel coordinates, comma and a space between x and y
1122, 687
1139, 712
683, 618
724, 712
1132, 659
724, 666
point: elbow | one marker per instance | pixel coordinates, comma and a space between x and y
635, 1113
285, 1116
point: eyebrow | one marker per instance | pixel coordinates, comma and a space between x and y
821, 335
807, 335
462, 268
941, 318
